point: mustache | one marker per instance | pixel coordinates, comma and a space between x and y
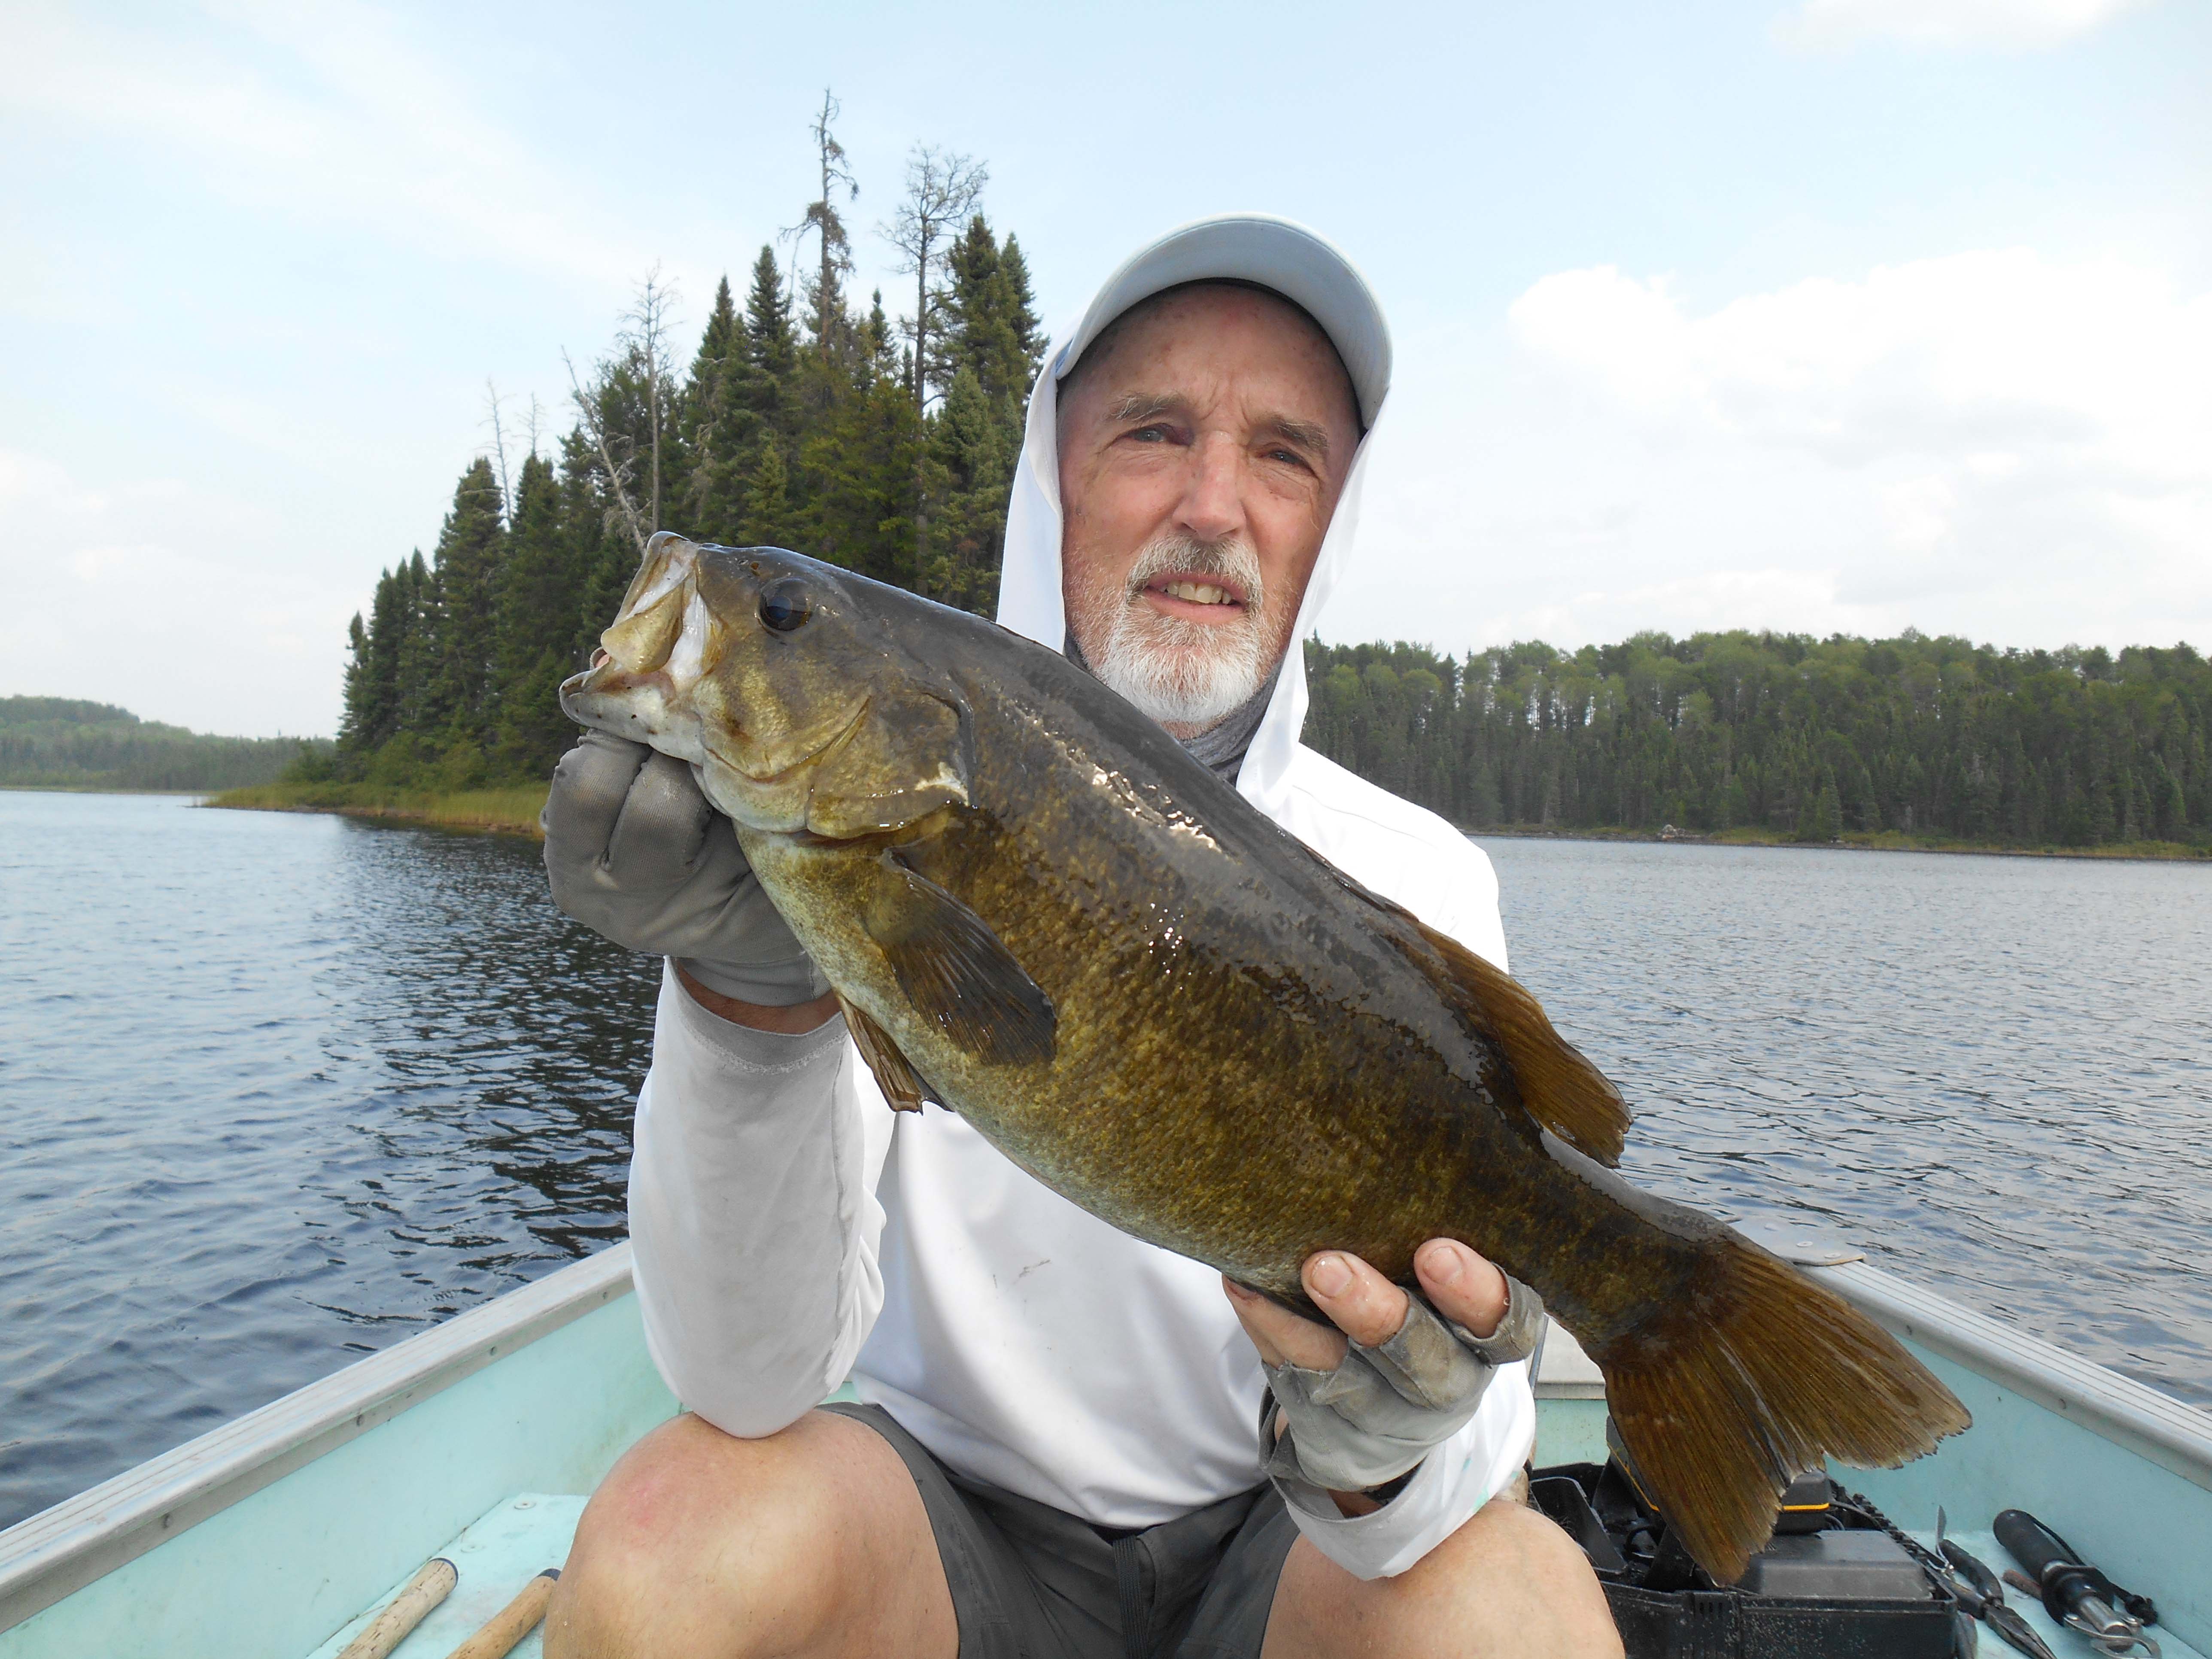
1232, 558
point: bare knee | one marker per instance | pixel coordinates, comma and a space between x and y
1507, 1583
701, 1544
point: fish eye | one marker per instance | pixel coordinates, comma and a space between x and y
784, 605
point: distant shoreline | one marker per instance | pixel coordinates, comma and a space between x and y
96, 789
1887, 840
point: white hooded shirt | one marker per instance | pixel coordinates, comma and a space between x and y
789, 1228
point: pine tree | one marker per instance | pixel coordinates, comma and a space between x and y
990, 325
771, 338
472, 548
537, 604
415, 672
987, 357
715, 426
358, 716
973, 447
768, 505
858, 459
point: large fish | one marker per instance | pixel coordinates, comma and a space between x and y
1043, 914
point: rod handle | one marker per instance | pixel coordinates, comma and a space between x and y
2029, 1542
512, 1622
432, 1582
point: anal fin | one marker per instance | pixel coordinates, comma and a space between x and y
902, 1084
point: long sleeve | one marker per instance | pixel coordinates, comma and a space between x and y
1454, 1480
753, 1215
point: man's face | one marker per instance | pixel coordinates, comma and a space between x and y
1200, 460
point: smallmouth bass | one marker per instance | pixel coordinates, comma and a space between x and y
1039, 911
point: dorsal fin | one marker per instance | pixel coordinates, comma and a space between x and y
1560, 1087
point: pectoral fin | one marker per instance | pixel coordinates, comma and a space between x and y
957, 971
902, 1084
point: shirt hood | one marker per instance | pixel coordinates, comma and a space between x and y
1306, 267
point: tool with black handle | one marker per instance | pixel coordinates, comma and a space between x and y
1981, 1595
1985, 1600
2074, 1592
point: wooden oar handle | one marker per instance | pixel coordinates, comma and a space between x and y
512, 1622
429, 1587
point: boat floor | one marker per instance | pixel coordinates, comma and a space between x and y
502, 1550
2066, 1643
496, 1556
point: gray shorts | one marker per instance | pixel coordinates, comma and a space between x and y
1030, 1582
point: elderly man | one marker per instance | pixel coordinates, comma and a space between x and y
1066, 1442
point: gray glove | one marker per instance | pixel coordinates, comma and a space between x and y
636, 852
1384, 1408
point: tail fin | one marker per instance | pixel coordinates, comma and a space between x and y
1759, 1375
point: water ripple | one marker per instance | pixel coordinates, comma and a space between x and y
1991, 1074
279, 1091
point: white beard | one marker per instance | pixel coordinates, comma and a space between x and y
1180, 673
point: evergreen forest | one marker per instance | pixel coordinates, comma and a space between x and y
887, 444
67, 743
1785, 735
800, 419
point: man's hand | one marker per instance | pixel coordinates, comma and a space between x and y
1364, 1402
1368, 1308
635, 851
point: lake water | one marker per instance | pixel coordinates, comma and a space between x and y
278, 1090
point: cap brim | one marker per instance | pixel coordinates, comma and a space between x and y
1300, 264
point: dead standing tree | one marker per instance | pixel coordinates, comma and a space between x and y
636, 373
495, 403
941, 191
823, 221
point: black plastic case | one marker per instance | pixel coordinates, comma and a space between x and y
1850, 1590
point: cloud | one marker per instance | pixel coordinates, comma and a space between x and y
2009, 25
99, 598
1975, 364
1990, 443
325, 110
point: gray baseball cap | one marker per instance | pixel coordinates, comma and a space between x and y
1300, 264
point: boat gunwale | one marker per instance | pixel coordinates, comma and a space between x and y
51, 1555
2165, 1431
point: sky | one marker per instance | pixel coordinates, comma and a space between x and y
1818, 315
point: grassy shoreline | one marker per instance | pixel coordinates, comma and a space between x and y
512, 810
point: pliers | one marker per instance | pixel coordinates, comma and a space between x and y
1981, 1595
